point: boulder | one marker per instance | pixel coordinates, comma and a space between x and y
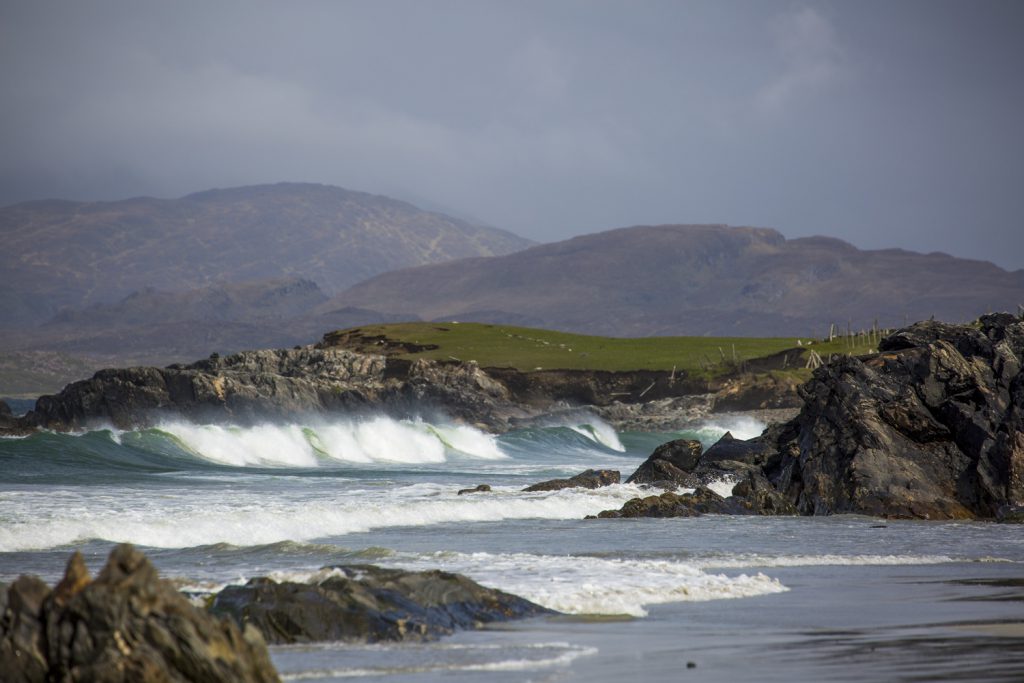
481, 488
700, 501
127, 625
589, 479
365, 603
670, 465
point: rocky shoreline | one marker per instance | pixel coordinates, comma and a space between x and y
324, 379
130, 625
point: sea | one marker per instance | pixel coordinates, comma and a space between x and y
713, 598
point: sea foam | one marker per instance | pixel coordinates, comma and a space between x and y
595, 585
245, 518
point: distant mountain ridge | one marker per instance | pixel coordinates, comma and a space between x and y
695, 280
75, 254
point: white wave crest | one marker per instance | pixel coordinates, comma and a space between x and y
601, 432
373, 440
740, 426
593, 585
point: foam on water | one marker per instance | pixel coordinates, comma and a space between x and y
594, 585
745, 561
433, 658
177, 519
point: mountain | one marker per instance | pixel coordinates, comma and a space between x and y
695, 280
60, 254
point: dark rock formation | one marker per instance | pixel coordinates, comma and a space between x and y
729, 447
589, 479
255, 386
931, 427
11, 425
127, 625
260, 385
670, 465
480, 488
368, 604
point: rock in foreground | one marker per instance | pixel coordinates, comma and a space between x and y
127, 625
365, 603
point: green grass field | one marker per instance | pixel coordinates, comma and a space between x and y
529, 349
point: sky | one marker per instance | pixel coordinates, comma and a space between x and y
887, 123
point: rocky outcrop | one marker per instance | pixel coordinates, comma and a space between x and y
256, 386
670, 465
589, 479
11, 425
127, 625
365, 603
277, 384
931, 427
669, 504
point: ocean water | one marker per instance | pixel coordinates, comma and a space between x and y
714, 598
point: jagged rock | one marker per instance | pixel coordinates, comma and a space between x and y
11, 425
670, 464
127, 625
756, 495
930, 427
481, 488
368, 604
729, 447
589, 479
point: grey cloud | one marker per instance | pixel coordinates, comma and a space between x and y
886, 124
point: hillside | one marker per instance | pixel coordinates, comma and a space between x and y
695, 280
61, 254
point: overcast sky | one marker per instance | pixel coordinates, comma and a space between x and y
886, 123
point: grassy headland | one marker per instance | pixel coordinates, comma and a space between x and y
528, 349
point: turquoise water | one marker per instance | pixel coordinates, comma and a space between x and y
757, 598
